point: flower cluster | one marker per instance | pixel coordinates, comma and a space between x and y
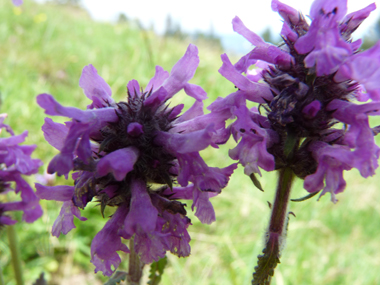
15, 161
119, 151
306, 89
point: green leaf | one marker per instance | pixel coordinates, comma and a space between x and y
290, 143
156, 271
266, 263
256, 182
311, 195
117, 278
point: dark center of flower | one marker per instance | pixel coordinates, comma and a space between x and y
137, 127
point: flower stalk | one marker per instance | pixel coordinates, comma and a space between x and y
135, 265
15, 253
276, 234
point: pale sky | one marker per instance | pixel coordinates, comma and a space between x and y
201, 14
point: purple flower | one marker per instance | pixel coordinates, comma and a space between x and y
118, 151
17, 2
304, 88
15, 161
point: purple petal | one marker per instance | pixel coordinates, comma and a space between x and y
134, 88
335, 9
202, 122
17, 2
142, 214
98, 116
83, 150
195, 91
353, 20
230, 103
149, 247
359, 135
62, 163
288, 33
65, 221
32, 212
194, 169
57, 193
328, 48
5, 220
94, 86
32, 209
204, 209
107, 242
252, 149
364, 68
244, 63
118, 162
194, 111
178, 238
27, 193
159, 77
331, 165
255, 92
241, 29
13, 140
267, 52
185, 143
182, 71
289, 14
55, 133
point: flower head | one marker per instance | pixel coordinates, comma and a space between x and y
305, 88
15, 161
119, 151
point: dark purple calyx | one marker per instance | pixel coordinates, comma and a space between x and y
137, 127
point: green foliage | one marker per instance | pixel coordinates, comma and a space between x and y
256, 182
156, 271
116, 278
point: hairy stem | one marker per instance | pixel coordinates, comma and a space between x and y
135, 265
15, 252
276, 234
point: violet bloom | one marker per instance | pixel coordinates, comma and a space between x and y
17, 2
119, 150
15, 161
305, 87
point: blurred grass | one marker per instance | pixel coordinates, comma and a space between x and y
43, 48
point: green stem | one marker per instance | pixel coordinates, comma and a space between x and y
135, 265
280, 206
15, 252
276, 234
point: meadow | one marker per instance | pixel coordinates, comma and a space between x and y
43, 49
